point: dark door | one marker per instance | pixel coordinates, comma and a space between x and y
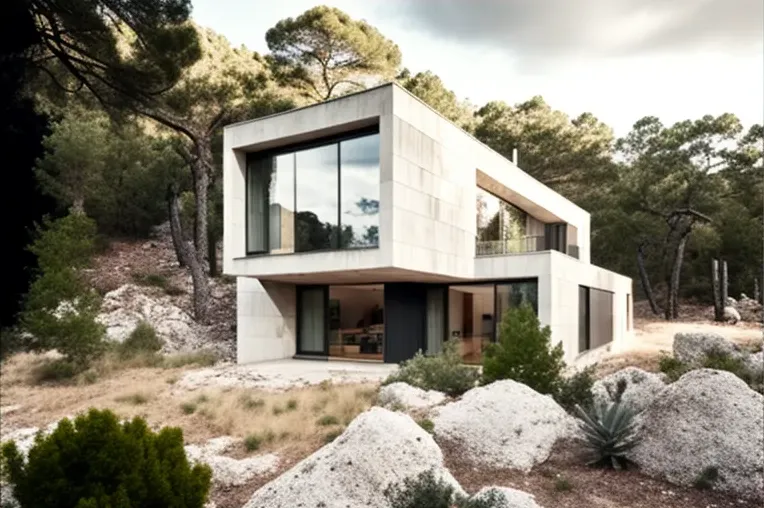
405, 318
312, 320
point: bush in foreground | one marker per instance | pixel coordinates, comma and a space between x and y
524, 353
96, 461
427, 491
443, 372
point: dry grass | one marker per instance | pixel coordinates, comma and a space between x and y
299, 418
293, 422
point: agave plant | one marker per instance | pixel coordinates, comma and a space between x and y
609, 433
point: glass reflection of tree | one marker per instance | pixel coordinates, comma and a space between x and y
363, 208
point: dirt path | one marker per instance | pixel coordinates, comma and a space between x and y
651, 335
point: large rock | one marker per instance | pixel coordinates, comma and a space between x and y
504, 424
504, 497
227, 471
707, 419
693, 347
405, 396
123, 308
749, 309
639, 388
379, 448
731, 315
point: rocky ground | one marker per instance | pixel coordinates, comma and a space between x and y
142, 281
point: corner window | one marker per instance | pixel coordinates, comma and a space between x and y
319, 197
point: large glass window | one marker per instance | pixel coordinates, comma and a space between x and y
319, 198
359, 191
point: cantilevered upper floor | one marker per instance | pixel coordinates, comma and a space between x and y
377, 186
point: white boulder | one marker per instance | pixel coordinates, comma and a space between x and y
504, 424
637, 388
731, 315
706, 420
504, 497
128, 305
405, 396
749, 309
227, 471
379, 448
693, 347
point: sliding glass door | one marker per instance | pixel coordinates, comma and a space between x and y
311, 320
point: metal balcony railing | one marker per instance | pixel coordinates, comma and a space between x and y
513, 246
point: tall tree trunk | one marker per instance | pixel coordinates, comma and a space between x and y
672, 302
202, 169
191, 258
725, 283
645, 280
177, 244
717, 291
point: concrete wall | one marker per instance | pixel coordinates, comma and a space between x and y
265, 320
329, 118
558, 279
434, 170
567, 274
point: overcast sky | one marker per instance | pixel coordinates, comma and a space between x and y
618, 59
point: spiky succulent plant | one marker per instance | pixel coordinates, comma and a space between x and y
609, 433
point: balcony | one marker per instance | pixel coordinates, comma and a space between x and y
519, 246
511, 246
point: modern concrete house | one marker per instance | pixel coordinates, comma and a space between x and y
370, 227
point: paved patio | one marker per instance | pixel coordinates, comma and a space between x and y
284, 374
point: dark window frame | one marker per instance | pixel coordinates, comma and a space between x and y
293, 149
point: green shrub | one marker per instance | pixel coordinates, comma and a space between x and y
562, 484
427, 425
673, 368
60, 308
151, 279
252, 442
332, 435
327, 420
55, 370
200, 358
136, 399
609, 433
98, 461
143, 339
576, 390
707, 478
523, 353
443, 372
188, 408
719, 360
427, 491
172, 290
249, 403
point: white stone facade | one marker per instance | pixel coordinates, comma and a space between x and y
429, 174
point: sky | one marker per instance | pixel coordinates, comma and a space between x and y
618, 59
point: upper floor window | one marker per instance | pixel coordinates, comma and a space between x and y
318, 198
502, 227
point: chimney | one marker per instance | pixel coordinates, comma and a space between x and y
514, 156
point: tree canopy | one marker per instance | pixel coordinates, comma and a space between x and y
429, 87
324, 53
119, 50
